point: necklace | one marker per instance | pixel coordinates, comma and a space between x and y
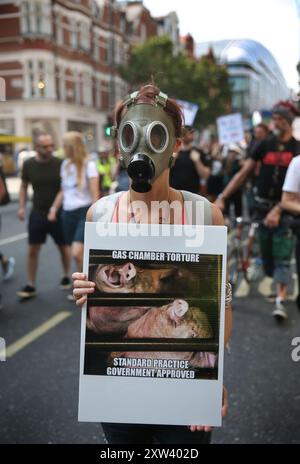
161, 219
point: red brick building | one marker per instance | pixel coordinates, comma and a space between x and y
59, 59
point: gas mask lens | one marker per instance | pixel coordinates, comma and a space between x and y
128, 137
157, 137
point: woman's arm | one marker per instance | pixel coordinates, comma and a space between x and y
81, 286
218, 220
94, 188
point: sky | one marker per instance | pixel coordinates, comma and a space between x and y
273, 23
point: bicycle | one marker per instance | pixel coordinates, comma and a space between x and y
244, 265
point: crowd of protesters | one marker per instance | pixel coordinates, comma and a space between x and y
242, 178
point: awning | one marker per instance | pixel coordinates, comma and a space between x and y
14, 139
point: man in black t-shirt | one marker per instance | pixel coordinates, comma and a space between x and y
190, 165
276, 241
43, 173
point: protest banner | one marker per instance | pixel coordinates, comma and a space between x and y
230, 129
152, 335
189, 111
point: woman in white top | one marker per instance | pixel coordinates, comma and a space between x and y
79, 189
291, 202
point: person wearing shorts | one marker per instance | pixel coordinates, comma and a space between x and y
43, 173
79, 189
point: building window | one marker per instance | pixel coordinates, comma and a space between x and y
36, 80
59, 30
98, 93
36, 17
103, 49
77, 88
85, 36
27, 17
73, 34
41, 85
239, 83
96, 48
87, 89
31, 79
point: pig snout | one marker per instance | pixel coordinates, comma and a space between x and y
127, 273
115, 276
177, 310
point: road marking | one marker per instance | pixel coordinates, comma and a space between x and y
14, 238
12, 349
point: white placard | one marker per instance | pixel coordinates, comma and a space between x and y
230, 129
180, 291
189, 111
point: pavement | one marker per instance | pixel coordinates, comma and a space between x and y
39, 379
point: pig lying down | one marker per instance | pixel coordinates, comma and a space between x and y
174, 320
129, 278
112, 319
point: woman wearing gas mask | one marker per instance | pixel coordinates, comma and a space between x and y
148, 128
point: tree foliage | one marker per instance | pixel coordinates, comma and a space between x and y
203, 81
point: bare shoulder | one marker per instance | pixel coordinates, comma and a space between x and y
89, 214
217, 215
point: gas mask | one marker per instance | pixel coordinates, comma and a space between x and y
146, 138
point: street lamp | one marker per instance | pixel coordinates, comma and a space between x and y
41, 85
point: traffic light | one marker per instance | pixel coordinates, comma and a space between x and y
107, 127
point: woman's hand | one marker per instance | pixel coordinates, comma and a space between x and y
81, 287
205, 428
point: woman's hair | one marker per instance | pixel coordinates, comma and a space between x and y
147, 94
76, 152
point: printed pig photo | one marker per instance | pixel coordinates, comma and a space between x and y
176, 316
152, 331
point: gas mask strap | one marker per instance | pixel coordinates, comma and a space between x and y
161, 99
131, 98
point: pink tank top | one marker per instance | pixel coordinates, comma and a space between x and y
115, 217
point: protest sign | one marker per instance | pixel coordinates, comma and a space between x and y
189, 111
152, 335
230, 129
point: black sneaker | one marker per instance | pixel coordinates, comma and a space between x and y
27, 292
65, 283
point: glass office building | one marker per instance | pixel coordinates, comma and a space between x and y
256, 78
